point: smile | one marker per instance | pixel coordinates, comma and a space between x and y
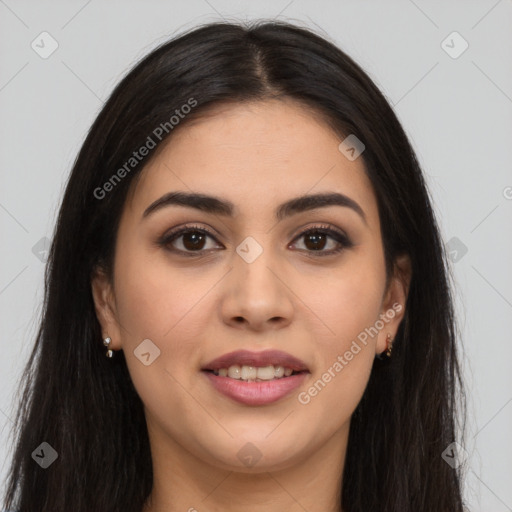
255, 392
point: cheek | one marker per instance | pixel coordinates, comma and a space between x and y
162, 304
154, 298
169, 306
347, 300
348, 304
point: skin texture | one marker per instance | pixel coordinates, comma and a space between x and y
194, 309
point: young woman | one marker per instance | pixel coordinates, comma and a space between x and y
247, 236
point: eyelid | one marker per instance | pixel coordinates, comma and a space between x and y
322, 226
186, 228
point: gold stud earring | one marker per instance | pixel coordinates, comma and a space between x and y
107, 342
389, 345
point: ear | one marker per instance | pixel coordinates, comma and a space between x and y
105, 306
393, 304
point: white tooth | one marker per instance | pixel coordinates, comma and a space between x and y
251, 373
266, 373
234, 371
248, 372
278, 371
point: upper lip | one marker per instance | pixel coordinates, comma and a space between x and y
264, 358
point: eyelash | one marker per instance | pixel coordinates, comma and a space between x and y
325, 229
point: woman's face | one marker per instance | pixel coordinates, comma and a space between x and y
254, 282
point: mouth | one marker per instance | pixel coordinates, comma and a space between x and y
256, 378
248, 365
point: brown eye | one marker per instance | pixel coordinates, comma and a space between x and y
317, 238
193, 240
187, 240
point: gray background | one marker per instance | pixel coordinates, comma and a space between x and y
457, 112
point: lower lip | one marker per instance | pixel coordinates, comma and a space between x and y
256, 393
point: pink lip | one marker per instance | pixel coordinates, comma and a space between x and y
255, 393
264, 358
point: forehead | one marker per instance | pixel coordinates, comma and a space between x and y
256, 155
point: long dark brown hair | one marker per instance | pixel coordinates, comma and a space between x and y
85, 406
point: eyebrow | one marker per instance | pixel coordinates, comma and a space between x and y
218, 206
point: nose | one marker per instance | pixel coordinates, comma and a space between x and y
257, 296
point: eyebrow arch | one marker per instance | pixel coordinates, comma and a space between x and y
215, 205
